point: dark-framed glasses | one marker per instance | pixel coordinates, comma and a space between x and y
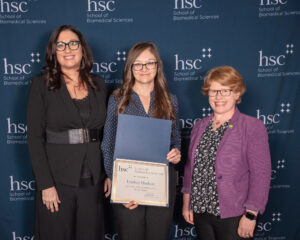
73, 45
148, 65
222, 92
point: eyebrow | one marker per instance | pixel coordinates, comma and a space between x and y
150, 59
70, 40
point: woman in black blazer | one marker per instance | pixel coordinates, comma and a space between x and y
65, 116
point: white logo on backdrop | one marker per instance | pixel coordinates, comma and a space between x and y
278, 181
275, 8
16, 236
17, 73
13, 12
272, 120
274, 65
104, 12
187, 69
21, 190
16, 132
121, 56
111, 70
192, 10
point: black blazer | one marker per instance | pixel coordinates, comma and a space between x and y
55, 110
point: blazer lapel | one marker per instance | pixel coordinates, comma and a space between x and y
93, 105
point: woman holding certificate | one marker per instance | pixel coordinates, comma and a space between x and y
144, 93
228, 171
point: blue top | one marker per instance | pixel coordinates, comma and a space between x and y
135, 107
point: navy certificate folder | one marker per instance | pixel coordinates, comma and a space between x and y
143, 138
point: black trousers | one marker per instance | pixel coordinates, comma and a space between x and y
210, 227
147, 222
80, 215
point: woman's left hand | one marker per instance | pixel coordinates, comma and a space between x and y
174, 156
107, 187
246, 227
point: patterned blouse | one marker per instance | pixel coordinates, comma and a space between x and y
135, 107
204, 197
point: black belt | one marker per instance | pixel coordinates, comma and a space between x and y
73, 136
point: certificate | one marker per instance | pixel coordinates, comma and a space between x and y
140, 171
144, 182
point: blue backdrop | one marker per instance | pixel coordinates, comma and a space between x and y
260, 38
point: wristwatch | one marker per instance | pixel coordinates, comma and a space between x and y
250, 216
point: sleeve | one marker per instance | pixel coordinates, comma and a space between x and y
36, 125
109, 136
259, 162
188, 171
176, 134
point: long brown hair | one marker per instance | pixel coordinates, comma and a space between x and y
52, 70
162, 105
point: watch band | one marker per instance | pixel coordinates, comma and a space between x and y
250, 216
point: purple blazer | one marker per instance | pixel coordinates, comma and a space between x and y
243, 165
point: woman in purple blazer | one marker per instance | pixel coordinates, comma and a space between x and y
228, 171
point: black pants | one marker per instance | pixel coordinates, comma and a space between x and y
210, 227
147, 222
80, 215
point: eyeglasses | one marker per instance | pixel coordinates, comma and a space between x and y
73, 45
222, 92
139, 66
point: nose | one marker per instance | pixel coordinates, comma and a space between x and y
67, 49
218, 95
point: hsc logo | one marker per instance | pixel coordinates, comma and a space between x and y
281, 164
18, 237
187, 4
101, 6
272, 2
192, 63
276, 60
109, 66
267, 225
268, 119
13, 6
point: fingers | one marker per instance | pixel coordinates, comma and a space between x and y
188, 216
50, 199
246, 228
174, 156
191, 215
131, 205
107, 187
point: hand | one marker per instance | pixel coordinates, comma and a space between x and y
107, 187
131, 205
186, 212
246, 227
174, 156
188, 215
50, 199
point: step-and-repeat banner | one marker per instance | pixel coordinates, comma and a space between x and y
260, 38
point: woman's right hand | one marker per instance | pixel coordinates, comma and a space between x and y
186, 212
131, 205
50, 199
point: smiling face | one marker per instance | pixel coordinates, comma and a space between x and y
145, 76
222, 105
69, 59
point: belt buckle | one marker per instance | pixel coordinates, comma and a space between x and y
86, 135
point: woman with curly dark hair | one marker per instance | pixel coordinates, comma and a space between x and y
144, 93
65, 116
